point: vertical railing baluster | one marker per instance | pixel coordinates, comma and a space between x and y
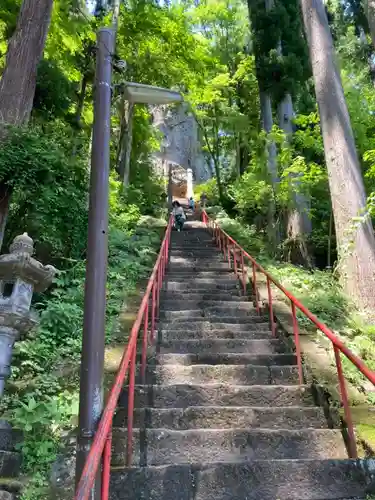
270, 307
244, 276
255, 289
144, 344
297, 342
153, 312
352, 445
106, 470
132, 370
157, 283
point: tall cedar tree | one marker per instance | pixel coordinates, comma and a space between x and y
354, 231
18, 81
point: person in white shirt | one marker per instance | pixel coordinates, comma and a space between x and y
179, 215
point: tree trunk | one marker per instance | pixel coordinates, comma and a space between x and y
267, 124
218, 180
237, 141
81, 100
115, 15
286, 114
298, 223
355, 240
18, 81
370, 14
123, 167
244, 158
79, 111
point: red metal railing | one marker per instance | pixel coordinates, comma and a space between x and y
230, 247
101, 449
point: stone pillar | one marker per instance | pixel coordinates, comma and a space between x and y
20, 276
189, 181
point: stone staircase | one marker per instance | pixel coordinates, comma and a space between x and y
223, 416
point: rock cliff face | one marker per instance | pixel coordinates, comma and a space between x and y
182, 148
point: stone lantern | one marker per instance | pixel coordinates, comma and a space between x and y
20, 276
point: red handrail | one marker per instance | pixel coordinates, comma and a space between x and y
101, 447
227, 244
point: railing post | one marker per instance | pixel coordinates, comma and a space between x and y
352, 445
297, 342
153, 312
243, 273
255, 289
228, 254
144, 344
106, 471
129, 451
235, 261
270, 307
157, 282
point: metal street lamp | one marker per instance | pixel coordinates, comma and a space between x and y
138, 93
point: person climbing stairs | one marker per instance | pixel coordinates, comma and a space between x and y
222, 415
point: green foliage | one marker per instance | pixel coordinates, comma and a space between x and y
246, 235
211, 191
279, 46
49, 191
55, 93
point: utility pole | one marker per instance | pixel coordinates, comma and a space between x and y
93, 341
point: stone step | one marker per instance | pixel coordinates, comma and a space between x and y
10, 463
210, 270
227, 280
222, 374
204, 296
194, 316
217, 260
208, 305
224, 417
183, 245
285, 480
206, 251
13, 486
226, 359
201, 251
188, 273
165, 446
252, 346
184, 395
177, 334
203, 285
204, 326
